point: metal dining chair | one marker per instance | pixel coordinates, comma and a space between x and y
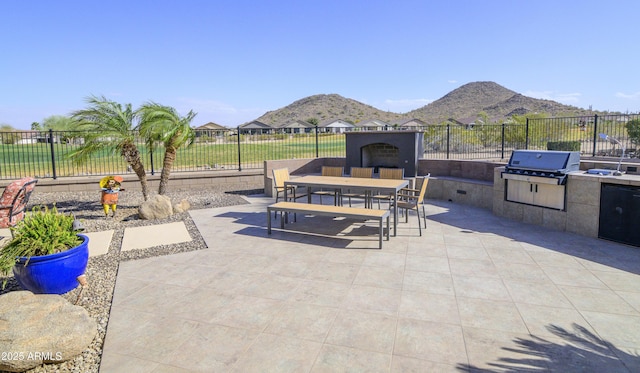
412, 199
280, 175
388, 173
330, 171
362, 172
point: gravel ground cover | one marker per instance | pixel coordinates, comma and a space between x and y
101, 270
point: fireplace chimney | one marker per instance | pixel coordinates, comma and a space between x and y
392, 149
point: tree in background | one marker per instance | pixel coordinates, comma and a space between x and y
313, 121
9, 135
65, 125
633, 129
537, 133
163, 124
57, 123
110, 126
485, 132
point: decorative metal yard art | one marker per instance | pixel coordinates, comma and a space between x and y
110, 187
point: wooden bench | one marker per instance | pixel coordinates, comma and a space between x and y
347, 212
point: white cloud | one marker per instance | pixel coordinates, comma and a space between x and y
632, 96
564, 98
452, 81
404, 105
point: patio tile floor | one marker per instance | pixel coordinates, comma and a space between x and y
475, 293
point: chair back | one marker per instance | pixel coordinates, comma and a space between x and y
332, 171
391, 173
363, 172
14, 200
421, 185
280, 175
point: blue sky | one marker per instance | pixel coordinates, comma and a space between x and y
232, 61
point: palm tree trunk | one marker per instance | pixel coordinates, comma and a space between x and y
138, 168
169, 158
132, 156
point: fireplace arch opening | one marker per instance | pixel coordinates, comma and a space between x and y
392, 149
379, 155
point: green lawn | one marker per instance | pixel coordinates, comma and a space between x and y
35, 159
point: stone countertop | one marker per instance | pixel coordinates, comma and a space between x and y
628, 179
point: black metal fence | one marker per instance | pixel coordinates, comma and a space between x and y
46, 154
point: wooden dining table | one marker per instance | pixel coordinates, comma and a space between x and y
367, 185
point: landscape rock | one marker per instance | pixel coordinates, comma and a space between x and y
157, 207
41, 328
181, 206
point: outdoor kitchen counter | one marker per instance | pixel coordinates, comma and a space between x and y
582, 212
630, 179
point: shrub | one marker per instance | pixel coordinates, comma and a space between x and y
564, 145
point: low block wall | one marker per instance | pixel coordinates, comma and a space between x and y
459, 181
249, 179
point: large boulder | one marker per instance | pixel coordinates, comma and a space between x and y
157, 207
41, 328
181, 206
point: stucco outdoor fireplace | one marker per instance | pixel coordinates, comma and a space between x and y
393, 149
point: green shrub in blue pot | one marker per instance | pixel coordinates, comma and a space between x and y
46, 253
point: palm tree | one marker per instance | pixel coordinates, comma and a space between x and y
108, 125
163, 124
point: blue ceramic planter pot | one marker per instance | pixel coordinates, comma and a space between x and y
55, 273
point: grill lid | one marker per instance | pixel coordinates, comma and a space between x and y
558, 162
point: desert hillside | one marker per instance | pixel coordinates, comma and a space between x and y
461, 104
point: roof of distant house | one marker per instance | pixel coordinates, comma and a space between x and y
211, 126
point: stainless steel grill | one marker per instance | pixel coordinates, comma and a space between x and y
547, 167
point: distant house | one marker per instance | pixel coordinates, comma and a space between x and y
471, 122
374, 125
211, 126
34, 137
255, 128
212, 130
28, 137
297, 126
412, 124
336, 126
467, 123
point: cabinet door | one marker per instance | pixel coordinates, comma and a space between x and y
519, 191
549, 195
619, 213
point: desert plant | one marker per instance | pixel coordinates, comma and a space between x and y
43, 231
163, 124
564, 145
633, 129
110, 126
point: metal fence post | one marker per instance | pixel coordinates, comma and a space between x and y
316, 126
239, 160
595, 134
502, 151
151, 159
526, 134
53, 156
448, 138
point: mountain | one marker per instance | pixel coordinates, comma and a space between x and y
495, 100
462, 103
327, 108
